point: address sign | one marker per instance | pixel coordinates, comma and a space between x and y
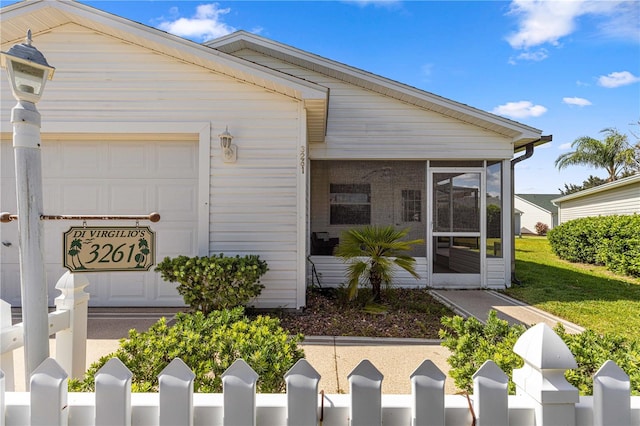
108, 249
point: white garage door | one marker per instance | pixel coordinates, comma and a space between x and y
137, 175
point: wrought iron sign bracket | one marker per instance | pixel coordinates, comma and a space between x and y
153, 217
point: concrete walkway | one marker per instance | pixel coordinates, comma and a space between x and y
333, 357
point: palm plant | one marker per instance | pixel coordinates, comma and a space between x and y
373, 252
612, 154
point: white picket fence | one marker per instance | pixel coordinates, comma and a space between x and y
543, 396
68, 322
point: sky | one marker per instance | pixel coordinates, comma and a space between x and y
570, 68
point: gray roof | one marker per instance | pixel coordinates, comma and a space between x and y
541, 200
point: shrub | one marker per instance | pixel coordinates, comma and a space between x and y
217, 282
613, 241
542, 228
472, 343
208, 345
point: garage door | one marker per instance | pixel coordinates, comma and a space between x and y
135, 175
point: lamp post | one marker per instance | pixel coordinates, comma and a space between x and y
28, 72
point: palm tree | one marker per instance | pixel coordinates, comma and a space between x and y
372, 253
612, 154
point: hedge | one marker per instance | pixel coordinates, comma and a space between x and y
612, 241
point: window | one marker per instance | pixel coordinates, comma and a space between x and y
350, 204
411, 205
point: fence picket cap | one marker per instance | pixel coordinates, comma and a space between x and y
365, 387
611, 395
71, 287
546, 358
176, 394
427, 392
49, 394
113, 394
491, 395
302, 394
239, 390
114, 372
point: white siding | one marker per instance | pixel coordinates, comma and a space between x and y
366, 125
532, 214
623, 200
331, 273
253, 203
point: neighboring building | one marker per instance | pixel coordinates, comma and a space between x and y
131, 124
620, 197
536, 208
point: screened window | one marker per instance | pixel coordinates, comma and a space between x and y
411, 205
350, 204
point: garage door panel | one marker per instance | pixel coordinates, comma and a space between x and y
81, 159
176, 240
7, 160
131, 159
177, 201
173, 159
130, 198
103, 177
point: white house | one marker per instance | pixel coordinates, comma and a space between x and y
620, 197
131, 124
535, 208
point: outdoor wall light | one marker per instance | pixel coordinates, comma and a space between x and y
28, 70
229, 150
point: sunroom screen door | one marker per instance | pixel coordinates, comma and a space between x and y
455, 234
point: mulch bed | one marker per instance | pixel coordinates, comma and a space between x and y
411, 313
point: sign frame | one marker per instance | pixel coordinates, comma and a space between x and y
108, 249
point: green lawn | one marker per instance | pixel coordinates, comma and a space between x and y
587, 295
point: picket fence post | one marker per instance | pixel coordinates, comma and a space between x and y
6, 358
176, 394
491, 395
302, 394
113, 394
541, 379
611, 396
49, 395
71, 343
365, 387
427, 388
239, 395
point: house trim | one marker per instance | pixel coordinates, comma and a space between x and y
601, 188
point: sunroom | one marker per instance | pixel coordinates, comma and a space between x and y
454, 207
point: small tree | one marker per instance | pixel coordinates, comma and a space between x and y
542, 228
372, 253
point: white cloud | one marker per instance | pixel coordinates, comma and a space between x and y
617, 79
543, 21
539, 55
206, 24
576, 101
521, 109
565, 146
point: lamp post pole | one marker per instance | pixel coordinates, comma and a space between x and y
28, 71
33, 286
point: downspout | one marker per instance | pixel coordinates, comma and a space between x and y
527, 154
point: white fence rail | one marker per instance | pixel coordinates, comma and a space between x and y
543, 396
68, 322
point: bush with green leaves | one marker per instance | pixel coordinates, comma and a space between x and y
613, 241
208, 345
472, 343
216, 282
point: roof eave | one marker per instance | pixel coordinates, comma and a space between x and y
47, 15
